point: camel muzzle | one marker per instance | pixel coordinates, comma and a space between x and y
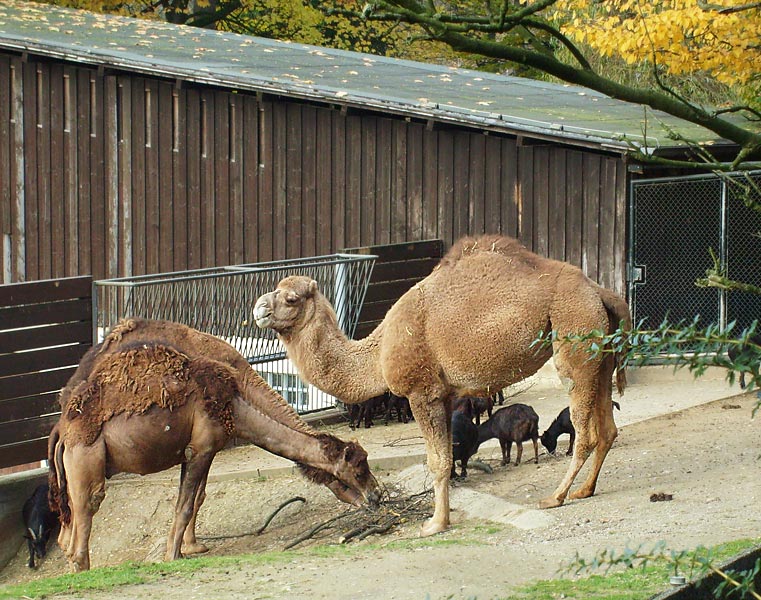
262, 313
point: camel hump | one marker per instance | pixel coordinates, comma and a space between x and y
468, 246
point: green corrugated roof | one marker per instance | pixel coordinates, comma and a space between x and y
511, 104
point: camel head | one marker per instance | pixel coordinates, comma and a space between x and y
287, 308
350, 478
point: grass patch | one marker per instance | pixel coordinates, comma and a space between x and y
627, 584
636, 583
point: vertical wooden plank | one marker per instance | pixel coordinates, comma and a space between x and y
17, 170
592, 166
250, 168
124, 117
279, 178
324, 181
32, 199
192, 143
414, 182
445, 191
385, 166
399, 183
111, 174
164, 156
607, 251
5, 171
293, 184
208, 195
221, 136
339, 181
266, 182
509, 218
237, 232
574, 207
309, 224
353, 180
44, 208
97, 176
492, 184
137, 133
180, 179
368, 184
57, 190
541, 200
152, 183
461, 198
526, 195
71, 170
476, 175
556, 203
84, 98
621, 237
430, 159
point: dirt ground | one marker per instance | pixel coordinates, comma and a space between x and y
707, 457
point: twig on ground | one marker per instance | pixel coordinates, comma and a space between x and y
277, 510
397, 442
358, 524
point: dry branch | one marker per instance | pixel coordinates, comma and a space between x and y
360, 523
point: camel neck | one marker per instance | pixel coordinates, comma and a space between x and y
347, 369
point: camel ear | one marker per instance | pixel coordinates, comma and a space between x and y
312, 288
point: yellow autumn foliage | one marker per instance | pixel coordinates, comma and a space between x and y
680, 36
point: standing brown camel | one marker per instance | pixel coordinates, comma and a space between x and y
156, 394
466, 329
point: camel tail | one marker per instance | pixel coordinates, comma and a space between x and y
619, 316
58, 496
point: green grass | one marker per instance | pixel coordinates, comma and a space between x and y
629, 584
637, 583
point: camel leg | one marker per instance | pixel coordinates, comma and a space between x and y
190, 545
192, 474
434, 418
519, 453
592, 418
86, 475
606, 429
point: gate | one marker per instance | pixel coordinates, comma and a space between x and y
674, 222
220, 301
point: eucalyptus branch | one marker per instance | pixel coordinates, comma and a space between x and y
739, 109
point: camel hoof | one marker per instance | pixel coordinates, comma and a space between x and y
579, 494
196, 548
550, 502
432, 528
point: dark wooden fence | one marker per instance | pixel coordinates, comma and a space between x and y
117, 174
397, 269
45, 329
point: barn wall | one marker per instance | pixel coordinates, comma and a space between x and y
113, 174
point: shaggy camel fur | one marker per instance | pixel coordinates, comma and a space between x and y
156, 394
466, 329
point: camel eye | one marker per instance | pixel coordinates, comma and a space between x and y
291, 299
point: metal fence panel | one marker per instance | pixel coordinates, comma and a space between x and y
220, 301
674, 222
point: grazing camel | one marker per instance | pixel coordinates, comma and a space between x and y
466, 329
156, 394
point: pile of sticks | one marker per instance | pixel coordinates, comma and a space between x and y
357, 524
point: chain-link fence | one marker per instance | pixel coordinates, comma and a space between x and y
674, 223
221, 300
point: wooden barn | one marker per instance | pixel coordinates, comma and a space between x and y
130, 147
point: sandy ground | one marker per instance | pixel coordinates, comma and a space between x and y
695, 440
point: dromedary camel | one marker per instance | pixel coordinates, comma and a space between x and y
156, 394
466, 329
